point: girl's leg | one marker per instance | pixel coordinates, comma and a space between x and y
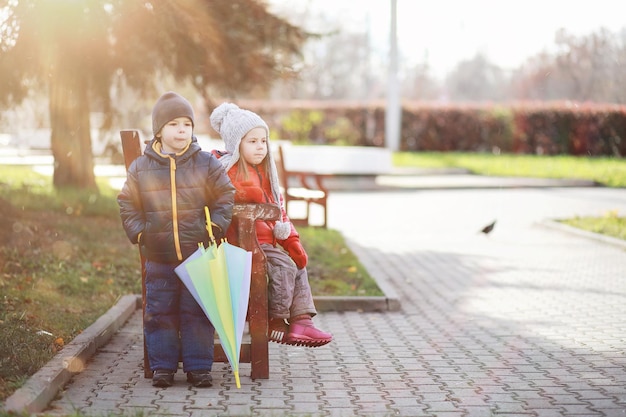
161, 317
288, 287
282, 273
290, 297
302, 303
302, 331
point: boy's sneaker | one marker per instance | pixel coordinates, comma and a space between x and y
162, 378
200, 379
302, 332
277, 330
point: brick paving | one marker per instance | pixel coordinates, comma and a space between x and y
526, 321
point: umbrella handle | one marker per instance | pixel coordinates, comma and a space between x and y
209, 229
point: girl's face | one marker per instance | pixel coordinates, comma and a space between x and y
176, 135
253, 147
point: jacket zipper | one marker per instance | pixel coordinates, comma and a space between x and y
179, 253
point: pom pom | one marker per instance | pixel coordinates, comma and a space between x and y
282, 230
218, 115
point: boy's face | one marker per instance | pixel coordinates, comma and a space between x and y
176, 135
253, 148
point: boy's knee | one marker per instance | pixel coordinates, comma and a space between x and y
158, 321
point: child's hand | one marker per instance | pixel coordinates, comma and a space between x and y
245, 192
296, 252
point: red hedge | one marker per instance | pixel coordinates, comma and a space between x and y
531, 128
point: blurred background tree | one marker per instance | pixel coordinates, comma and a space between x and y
580, 68
80, 52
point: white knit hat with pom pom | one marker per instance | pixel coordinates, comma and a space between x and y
233, 123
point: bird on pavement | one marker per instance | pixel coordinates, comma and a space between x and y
487, 229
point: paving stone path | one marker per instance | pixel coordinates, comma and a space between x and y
525, 321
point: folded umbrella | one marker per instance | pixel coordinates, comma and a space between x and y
218, 277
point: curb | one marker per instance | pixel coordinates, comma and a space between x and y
446, 181
552, 224
471, 181
43, 386
362, 304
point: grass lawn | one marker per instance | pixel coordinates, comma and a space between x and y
610, 172
610, 224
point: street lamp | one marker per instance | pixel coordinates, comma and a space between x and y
393, 110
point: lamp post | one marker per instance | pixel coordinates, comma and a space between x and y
393, 111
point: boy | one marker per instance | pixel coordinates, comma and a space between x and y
162, 209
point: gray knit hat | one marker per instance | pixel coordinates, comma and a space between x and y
233, 123
168, 107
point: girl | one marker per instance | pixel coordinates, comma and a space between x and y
252, 170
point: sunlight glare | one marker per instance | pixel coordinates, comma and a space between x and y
8, 27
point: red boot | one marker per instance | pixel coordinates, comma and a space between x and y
302, 332
277, 330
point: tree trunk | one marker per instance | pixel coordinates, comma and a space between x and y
71, 137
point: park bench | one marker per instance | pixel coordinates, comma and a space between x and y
301, 186
308, 173
255, 349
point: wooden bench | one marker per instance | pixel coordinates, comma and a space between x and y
255, 348
302, 186
309, 172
